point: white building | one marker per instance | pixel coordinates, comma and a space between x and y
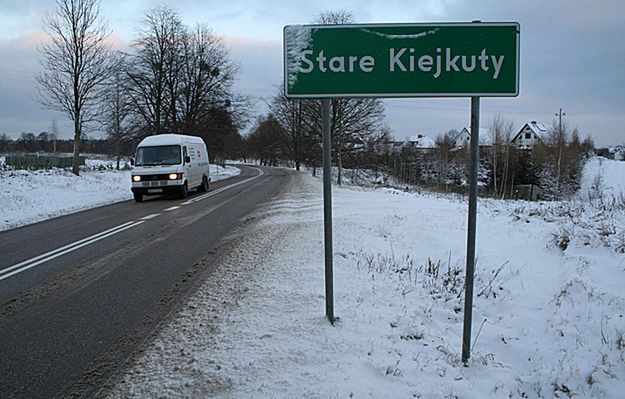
422, 142
418, 142
618, 152
531, 134
463, 139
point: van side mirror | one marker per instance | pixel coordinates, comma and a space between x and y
187, 159
132, 162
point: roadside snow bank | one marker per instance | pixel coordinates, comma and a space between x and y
548, 322
31, 196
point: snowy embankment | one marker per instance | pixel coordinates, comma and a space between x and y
32, 196
548, 316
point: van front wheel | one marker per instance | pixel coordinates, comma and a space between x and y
184, 191
138, 197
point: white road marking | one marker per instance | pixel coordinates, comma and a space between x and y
152, 216
38, 260
202, 197
172, 208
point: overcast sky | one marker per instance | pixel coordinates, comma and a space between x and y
572, 57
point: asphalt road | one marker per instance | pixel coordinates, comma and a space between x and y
79, 294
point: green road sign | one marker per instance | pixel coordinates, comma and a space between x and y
402, 60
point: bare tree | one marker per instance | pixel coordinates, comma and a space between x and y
496, 133
115, 113
75, 63
291, 114
206, 78
341, 17
557, 139
153, 66
353, 122
500, 135
265, 140
181, 81
444, 144
508, 130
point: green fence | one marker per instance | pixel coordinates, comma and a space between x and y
40, 162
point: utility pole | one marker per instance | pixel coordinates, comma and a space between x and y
560, 115
55, 133
560, 145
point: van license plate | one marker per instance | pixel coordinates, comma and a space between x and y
155, 190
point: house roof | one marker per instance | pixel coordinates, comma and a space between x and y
539, 129
418, 141
421, 141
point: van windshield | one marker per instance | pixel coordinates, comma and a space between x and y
158, 155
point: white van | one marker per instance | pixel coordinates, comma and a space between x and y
170, 164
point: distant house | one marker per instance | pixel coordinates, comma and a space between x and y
617, 153
530, 134
463, 139
419, 142
423, 142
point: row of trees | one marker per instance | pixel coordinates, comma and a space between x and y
46, 143
175, 79
554, 165
293, 130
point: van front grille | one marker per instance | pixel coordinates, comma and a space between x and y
154, 177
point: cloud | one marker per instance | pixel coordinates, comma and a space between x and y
260, 67
27, 42
572, 56
117, 43
19, 110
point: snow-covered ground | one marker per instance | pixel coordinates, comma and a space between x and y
31, 196
548, 316
549, 299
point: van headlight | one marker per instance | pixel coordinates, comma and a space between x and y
136, 178
175, 176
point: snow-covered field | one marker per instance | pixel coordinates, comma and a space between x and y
549, 298
31, 196
548, 315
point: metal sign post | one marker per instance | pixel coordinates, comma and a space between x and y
471, 229
327, 207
